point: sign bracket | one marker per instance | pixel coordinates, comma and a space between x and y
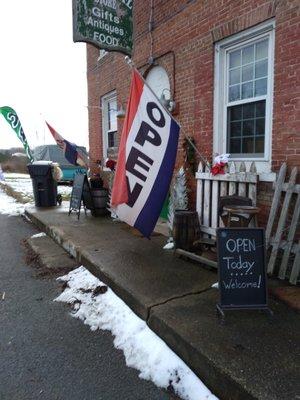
221, 309
78, 210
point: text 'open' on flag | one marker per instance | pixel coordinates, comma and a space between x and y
146, 159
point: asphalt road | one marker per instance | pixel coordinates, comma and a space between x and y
44, 352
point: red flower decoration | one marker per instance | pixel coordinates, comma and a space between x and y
218, 169
111, 164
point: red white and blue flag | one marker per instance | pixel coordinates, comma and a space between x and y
146, 159
70, 150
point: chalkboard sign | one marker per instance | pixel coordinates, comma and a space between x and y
242, 270
80, 192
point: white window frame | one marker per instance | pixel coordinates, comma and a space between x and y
105, 123
264, 30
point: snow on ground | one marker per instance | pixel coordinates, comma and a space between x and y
9, 205
142, 348
22, 183
14, 175
64, 190
169, 246
37, 235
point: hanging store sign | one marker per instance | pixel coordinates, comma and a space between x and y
104, 23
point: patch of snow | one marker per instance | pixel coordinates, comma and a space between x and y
142, 348
22, 183
41, 234
169, 246
13, 175
215, 285
9, 205
64, 190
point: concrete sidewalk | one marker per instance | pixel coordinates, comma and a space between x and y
251, 356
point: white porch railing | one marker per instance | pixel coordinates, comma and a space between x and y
237, 181
283, 223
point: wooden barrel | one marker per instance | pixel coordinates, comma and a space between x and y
186, 229
100, 199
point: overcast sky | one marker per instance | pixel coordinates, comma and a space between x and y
42, 72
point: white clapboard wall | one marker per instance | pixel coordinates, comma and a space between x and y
237, 181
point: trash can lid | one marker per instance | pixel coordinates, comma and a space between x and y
42, 162
40, 168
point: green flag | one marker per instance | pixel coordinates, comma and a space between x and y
11, 117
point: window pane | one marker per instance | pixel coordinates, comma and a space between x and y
235, 113
261, 50
260, 109
248, 145
261, 87
248, 54
236, 129
234, 76
234, 93
261, 69
260, 145
112, 114
111, 139
247, 73
260, 126
248, 127
248, 67
235, 59
248, 110
247, 90
235, 146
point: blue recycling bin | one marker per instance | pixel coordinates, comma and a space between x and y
43, 183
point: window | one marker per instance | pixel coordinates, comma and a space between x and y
243, 94
109, 122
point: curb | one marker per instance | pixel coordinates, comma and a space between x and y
217, 377
49, 257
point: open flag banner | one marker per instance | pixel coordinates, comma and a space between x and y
12, 118
146, 159
69, 149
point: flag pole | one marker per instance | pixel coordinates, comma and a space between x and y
131, 64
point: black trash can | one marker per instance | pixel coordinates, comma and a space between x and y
44, 186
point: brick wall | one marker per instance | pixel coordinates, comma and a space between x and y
184, 32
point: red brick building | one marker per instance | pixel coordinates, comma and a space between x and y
232, 68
